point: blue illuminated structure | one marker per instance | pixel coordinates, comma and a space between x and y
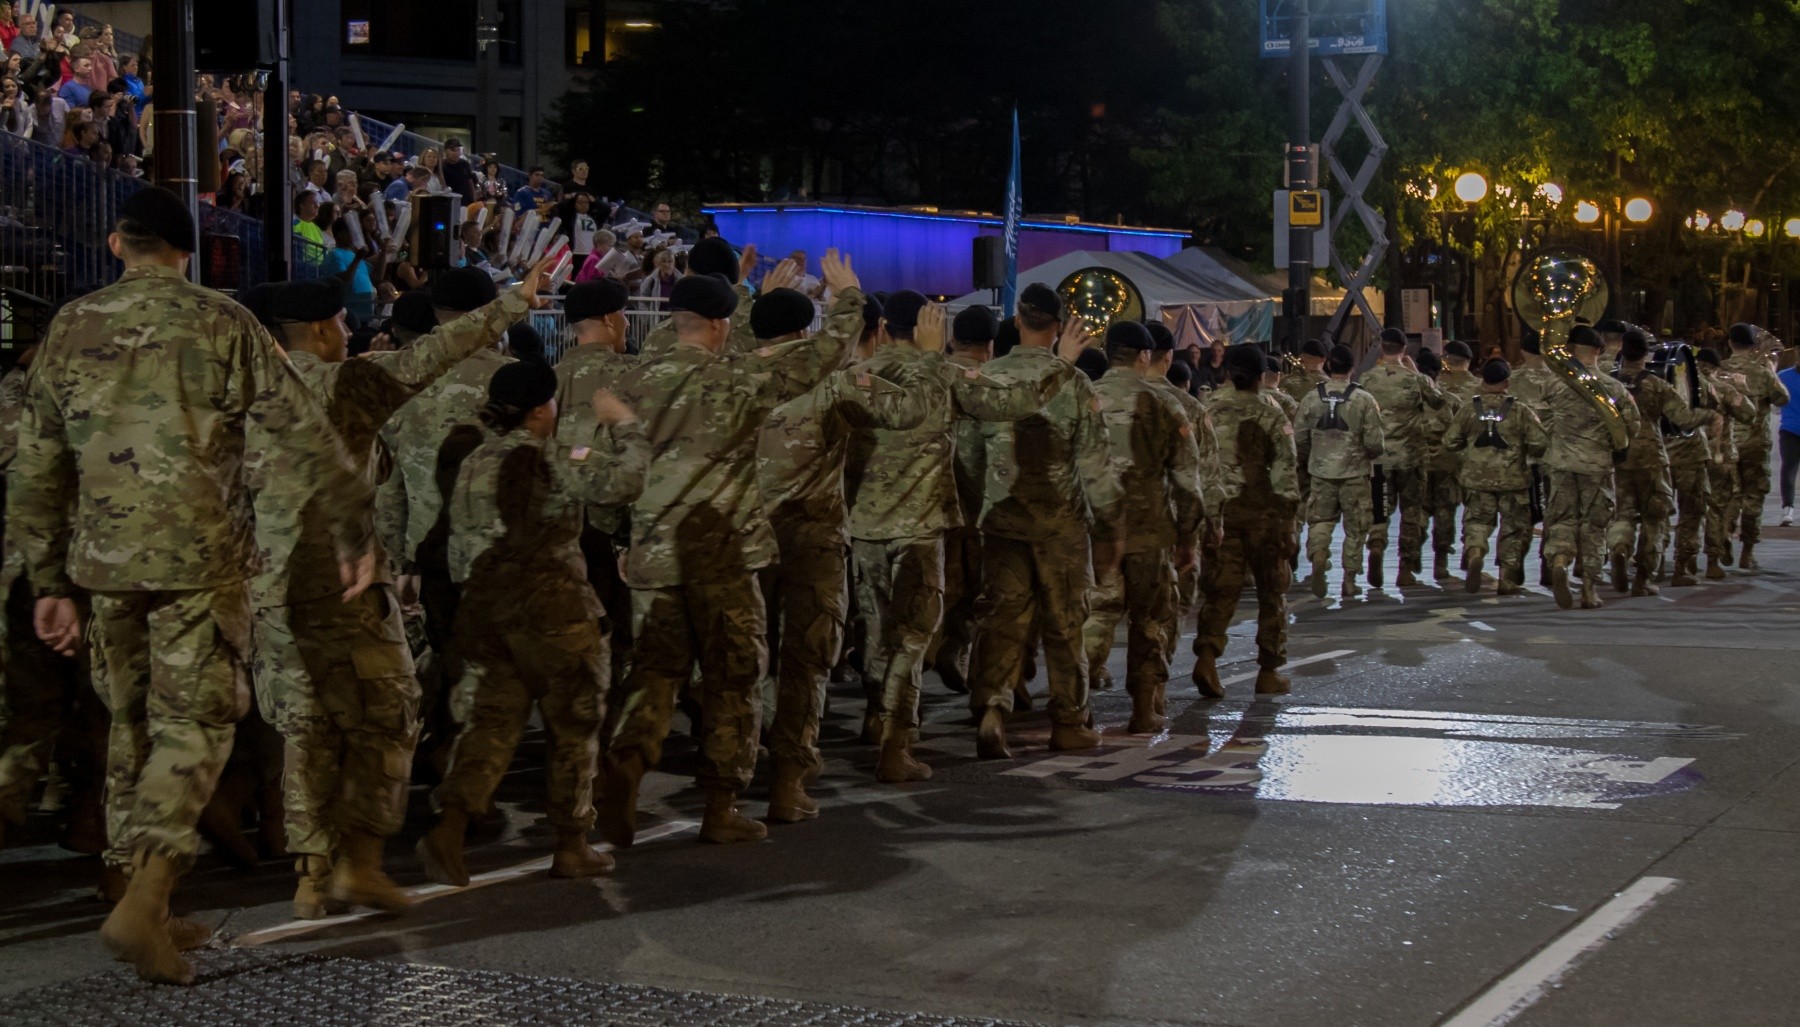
909, 248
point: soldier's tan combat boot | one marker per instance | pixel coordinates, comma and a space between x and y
1714, 572
358, 879
788, 801
1068, 737
1590, 596
1349, 589
896, 764
441, 850
871, 732
1640, 584
1619, 573
617, 811
1472, 561
1406, 579
1316, 580
112, 884
574, 857
1147, 712
990, 735
1747, 558
1684, 572
137, 930
1440, 568
1559, 582
312, 898
1271, 682
1206, 674
722, 824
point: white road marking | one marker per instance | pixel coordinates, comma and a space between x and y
1517, 991
1480, 626
427, 892
1290, 665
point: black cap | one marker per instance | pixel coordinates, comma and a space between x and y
902, 309
714, 256
1161, 339
1458, 349
1635, 345
1393, 337
710, 296
975, 326
1340, 360
598, 298
1272, 364
1741, 335
1495, 371
524, 342
1124, 336
259, 300
1531, 341
1092, 363
306, 302
1043, 299
462, 289
1586, 337
1707, 355
1244, 360
781, 312
871, 313
1179, 374
159, 212
413, 311
1429, 364
1313, 348
522, 385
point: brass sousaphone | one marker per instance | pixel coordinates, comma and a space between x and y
1100, 296
1555, 286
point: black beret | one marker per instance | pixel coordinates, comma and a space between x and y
306, 302
1707, 355
1635, 345
1092, 363
975, 326
1161, 339
524, 342
781, 312
1127, 335
871, 313
1181, 375
161, 213
1495, 371
1313, 348
1340, 360
259, 300
1458, 349
1272, 364
1007, 338
1043, 299
1429, 364
1393, 337
710, 296
462, 289
1585, 336
522, 385
714, 256
413, 311
1741, 335
902, 309
1244, 360
1530, 341
598, 298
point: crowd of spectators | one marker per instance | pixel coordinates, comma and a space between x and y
70, 88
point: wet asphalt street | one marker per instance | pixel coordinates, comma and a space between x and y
1470, 810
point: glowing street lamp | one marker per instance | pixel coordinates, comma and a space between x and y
1638, 210
1699, 222
1551, 193
1732, 221
1755, 229
1587, 212
1471, 187
1792, 228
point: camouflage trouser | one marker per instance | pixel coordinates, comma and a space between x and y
1142, 588
335, 679
1332, 499
1752, 489
1512, 510
1690, 484
962, 586
1720, 502
812, 608
1405, 495
900, 590
172, 668
1253, 548
508, 663
602, 557
1442, 495
1640, 520
48, 709
1577, 513
1027, 585
721, 624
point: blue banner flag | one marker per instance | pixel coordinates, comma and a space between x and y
1015, 207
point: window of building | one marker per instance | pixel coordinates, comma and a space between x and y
437, 29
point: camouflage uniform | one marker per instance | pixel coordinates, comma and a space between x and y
699, 534
661, 340
1297, 385
1337, 455
529, 623
800, 471
1532, 385
1187, 583
336, 678
1152, 448
1498, 436
1578, 464
1463, 385
1722, 473
1645, 499
129, 483
1765, 392
1257, 493
1405, 396
962, 547
1049, 483
903, 498
1691, 466
1440, 492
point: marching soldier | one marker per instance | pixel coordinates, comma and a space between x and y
1404, 395
1531, 384
1169, 375
1152, 449
1257, 494
1693, 469
1765, 392
1302, 383
1438, 467
1498, 437
1337, 437
714, 256
972, 335
1457, 380
1722, 473
1579, 465
1645, 499
146, 386
1271, 387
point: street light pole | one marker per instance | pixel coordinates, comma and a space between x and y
1301, 174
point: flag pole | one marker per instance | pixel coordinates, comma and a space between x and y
1014, 207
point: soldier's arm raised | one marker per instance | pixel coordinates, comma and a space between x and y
1675, 408
605, 479
795, 367
435, 353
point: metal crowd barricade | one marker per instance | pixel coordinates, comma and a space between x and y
55, 213
412, 144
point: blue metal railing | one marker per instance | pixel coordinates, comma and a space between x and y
55, 212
